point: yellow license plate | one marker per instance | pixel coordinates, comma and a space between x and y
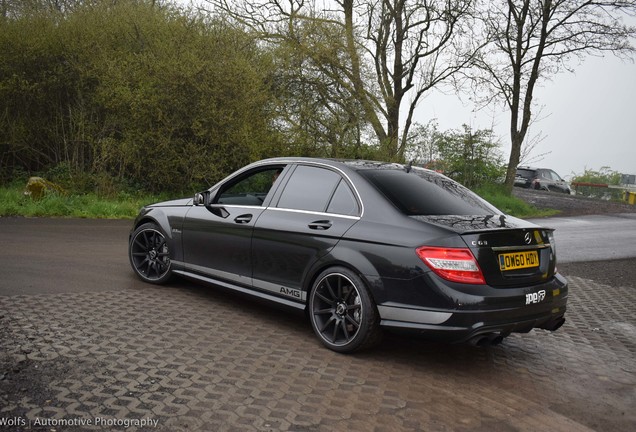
518, 260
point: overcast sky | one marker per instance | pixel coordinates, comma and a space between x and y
588, 119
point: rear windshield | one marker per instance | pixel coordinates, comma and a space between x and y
525, 173
423, 192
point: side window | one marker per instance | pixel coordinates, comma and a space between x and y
309, 188
250, 189
343, 201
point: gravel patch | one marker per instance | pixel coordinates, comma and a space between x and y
571, 205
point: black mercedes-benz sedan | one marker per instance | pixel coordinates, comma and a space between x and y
360, 246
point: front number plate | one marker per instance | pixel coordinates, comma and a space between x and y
518, 260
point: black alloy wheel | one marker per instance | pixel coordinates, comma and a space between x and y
342, 313
149, 254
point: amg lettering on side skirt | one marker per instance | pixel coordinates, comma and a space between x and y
290, 292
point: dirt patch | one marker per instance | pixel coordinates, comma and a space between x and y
571, 205
618, 273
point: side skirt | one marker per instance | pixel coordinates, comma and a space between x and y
250, 292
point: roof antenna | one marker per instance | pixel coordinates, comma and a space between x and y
409, 166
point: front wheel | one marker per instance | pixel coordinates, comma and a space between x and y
149, 254
343, 314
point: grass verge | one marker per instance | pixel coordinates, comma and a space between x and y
13, 202
509, 204
126, 206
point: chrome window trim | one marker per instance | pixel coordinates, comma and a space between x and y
315, 213
238, 206
343, 174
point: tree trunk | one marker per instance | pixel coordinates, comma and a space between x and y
515, 154
356, 75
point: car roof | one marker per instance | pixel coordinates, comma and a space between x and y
354, 164
533, 168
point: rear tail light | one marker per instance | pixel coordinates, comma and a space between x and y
453, 264
552, 242
553, 248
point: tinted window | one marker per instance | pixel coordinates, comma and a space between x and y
555, 176
309, 188
343, 201
250, 189
526, 173
423, 192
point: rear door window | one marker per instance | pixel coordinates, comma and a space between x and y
318, 189
309, 188
343, 201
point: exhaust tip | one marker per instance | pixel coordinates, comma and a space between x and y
487, 339
496, 340
557, 324
554, 324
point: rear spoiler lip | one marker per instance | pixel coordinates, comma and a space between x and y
477, 224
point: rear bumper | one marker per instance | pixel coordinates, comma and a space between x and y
523, 183
515, 310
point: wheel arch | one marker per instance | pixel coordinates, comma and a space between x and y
150, 253
343, 330
157, 217
160, 218
350, 259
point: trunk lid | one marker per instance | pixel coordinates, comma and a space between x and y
510, 252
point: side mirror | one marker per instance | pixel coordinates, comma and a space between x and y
199, 198
203, 199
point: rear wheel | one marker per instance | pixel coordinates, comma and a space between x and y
343, 314
149, 254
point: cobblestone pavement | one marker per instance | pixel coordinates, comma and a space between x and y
137, 357
191, 358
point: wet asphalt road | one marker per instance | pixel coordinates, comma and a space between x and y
594, 237
82, 338
42, 255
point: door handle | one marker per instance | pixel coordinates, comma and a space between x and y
320, 225
243, 219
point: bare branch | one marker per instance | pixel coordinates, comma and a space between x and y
538, 40
384, 51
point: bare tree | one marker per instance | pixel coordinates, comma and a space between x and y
17, 8
532, 40
385, 53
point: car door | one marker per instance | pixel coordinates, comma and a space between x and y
309, 216
559, 184
217, 237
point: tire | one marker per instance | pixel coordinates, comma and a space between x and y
342, 313
150, 255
